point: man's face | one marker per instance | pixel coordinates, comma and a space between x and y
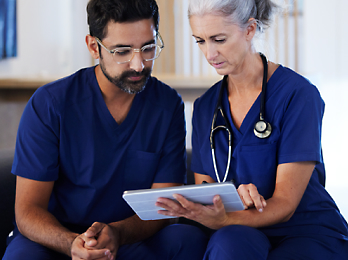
132, 76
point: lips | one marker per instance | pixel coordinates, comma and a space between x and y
217, 65
136, 78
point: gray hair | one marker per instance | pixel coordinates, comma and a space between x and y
238, 11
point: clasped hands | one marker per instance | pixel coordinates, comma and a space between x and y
98, 242
212, 216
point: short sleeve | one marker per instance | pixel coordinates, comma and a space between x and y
301, 125
172, 165
36, 154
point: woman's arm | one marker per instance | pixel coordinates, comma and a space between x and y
291, 183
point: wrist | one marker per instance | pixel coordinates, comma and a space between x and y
72, 239
117, 231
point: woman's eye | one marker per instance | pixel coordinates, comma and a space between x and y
199, 41
220, 40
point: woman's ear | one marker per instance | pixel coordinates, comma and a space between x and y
251, 29
92, 46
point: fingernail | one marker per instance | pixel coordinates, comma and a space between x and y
260, 210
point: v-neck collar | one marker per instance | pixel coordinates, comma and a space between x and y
131, 117
254, 109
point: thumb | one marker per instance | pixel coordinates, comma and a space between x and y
94, 230
218, 203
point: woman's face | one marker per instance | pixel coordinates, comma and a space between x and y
224, 45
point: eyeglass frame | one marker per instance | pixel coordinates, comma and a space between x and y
113, 51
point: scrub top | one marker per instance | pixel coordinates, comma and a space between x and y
67, 135
294, 109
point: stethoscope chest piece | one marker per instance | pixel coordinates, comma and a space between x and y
262, 129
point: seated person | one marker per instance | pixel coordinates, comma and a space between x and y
85, 139
267, 142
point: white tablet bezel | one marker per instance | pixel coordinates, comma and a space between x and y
143, 201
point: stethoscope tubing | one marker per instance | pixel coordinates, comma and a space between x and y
260, 134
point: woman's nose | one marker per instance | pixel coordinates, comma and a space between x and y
211, 52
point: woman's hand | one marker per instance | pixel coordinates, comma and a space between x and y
212, 216
251, 197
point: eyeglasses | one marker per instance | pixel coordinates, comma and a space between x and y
126, 54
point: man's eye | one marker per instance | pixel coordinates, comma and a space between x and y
122, 52
149, 49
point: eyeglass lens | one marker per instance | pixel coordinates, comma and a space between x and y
148, 52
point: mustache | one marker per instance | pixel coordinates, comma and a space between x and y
133, 73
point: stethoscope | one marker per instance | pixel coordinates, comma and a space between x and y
262, 128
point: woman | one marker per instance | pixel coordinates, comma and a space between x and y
275, 117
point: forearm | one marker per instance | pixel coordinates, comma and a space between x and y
133, 229
42, 227
276, 211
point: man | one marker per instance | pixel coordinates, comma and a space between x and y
85, 139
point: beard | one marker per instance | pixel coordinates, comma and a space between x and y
129, 86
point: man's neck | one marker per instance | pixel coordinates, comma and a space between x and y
117, 101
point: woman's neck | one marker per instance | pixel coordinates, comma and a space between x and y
249, 78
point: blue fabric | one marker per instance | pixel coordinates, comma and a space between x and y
8, 29
241, 242
179, 242
68, 135
295, 109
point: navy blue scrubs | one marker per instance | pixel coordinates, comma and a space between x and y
68, 135
295, 110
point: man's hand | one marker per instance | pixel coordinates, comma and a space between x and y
98, 242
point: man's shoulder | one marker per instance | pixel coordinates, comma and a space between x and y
160, 93
70, 88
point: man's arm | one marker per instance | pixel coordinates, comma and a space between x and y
36, 223
130, 230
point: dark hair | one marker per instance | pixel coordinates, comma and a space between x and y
101, 12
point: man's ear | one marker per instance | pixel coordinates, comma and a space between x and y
92, 46
251, 29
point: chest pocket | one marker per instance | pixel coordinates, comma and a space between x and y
258, 165
140, 169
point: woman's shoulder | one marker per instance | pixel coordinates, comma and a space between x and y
287, 80
209, 98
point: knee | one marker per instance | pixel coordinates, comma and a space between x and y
186, 234
234, 235
239, 241
184, 241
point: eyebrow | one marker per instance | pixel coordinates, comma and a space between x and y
211, 37
124, 45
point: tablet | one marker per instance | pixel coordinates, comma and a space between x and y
143, 201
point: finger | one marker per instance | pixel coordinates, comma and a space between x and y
95, 229
256, 198
218, 203
80, 252
168, 211
189, 205
264, 203
168, 204
244, 194
90, 242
